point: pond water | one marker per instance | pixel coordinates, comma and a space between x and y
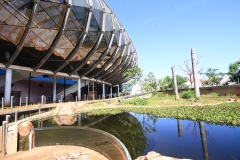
141, 133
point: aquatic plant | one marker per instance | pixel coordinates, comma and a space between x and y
226, 113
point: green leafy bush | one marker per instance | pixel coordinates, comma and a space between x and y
138, 101
214, 94
187, 94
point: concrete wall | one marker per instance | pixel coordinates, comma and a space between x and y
221, 90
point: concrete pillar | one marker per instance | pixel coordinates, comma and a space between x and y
118, 91
93, 90
110, 92
8, 83
79, 119
103, 90
79, 89
54, 89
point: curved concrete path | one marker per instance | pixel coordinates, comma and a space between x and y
56, 152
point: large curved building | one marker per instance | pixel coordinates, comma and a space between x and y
79, 39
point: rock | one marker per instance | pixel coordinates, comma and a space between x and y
156, 156
66, 109
65, 120
24, 128
141, 158
152, 155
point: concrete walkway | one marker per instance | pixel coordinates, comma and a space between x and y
56, 152
20, 109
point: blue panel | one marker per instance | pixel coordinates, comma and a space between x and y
2, 72
50, 79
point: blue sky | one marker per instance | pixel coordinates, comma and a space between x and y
164, 31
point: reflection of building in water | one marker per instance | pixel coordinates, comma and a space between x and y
127, 129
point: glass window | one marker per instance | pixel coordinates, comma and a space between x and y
24, 9
40, 37
103, 44
123, 39
50, 15
81, 3
96, 5
55, 1
77, 18
62, 52
7, 16
33, 40
107, 9
12, 33
94, 25
98, 15
92, 36
108, 22
63, 48
73, 36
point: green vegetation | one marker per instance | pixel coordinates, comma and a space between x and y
187, 94
226, 113
234, 71
210, 108
160, 99
138, 101
213, 77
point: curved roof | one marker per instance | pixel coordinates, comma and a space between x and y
77, 38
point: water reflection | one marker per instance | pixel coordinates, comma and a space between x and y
65, 120
128, 130
203, 139
142, 133
179, 128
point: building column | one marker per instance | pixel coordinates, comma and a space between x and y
93, 90
118, 90
79, 89
54, 88
64, 89
103, 90
7, 92
110, 92
79, 119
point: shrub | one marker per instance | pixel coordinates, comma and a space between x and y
154, 93
214, 94
138, 101
187, 94
162, 95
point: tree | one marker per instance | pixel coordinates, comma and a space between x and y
234, 71
189, 71
213, 76
134, 74
150, 82
168, 81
